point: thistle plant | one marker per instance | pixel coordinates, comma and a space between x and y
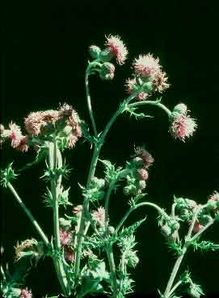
91, 253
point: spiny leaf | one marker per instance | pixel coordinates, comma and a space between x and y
205, 246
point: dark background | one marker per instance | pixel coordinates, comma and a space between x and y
43, 62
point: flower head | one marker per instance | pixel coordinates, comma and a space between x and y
107, 71
25, 293
99, 216
117, 48
64, 122
26, 245
160, 81
182, 126
213, 201
147, 66
37, 121
14, 134
142, 174
144, 157
69, 254
65, 237
131, 85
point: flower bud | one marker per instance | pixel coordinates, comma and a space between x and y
180, 108
107, 71
111, 230
142, 174
96, 182
1, 129
166, 230
106, 55
142, 184
197, 227
94, 51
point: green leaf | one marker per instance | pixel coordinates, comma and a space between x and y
111, 172
131, 229
132, 112
7, 175
205, 246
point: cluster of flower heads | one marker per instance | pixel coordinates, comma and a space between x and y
114, 48
148, 77
138, 174
182, 125
64, 123
185, 209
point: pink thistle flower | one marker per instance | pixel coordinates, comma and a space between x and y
142, 96
142, 174
213, 201
145, 157
197, 227
99, 216
72, 120
146, 66
23, 145
65, 237
160, 81
69, 254
182, 126
25, 293
77, 210
36, 121
117, 48
14, 134
130, 85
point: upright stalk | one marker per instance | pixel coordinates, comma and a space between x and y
55, 161
97, 148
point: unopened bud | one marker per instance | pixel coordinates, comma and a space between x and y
180, 108
107, 71
142, 184
1, 129
94, 51
143, 174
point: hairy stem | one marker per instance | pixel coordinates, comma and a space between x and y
29, 214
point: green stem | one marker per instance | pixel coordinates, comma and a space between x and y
153, 103
55, 162
92, 169
89, 105
112, 266
106, 206
29, 214
175, 287
132, 208
174, 273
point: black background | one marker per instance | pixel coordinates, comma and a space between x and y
43, 62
